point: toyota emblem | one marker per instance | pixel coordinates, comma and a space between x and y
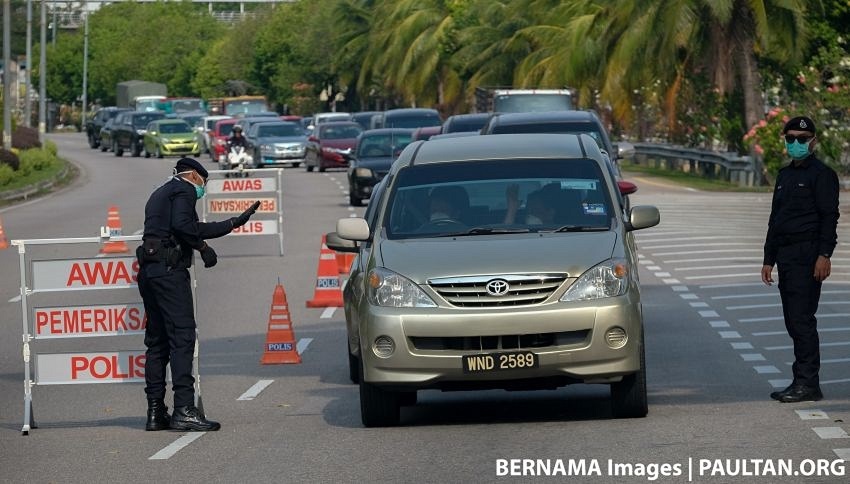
497, 287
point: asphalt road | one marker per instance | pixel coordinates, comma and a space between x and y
715, 349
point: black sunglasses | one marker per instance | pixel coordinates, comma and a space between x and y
802, 138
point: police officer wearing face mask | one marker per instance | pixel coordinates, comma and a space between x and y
801, 236
172, 232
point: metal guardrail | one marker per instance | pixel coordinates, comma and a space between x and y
729, 166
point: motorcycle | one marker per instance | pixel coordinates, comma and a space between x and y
235, 158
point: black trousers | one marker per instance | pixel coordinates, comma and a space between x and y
170, 332
800, 294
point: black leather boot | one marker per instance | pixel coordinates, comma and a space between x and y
158, 418
189, 418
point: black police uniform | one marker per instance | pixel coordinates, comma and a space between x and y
802, 226
172, 231
237, 141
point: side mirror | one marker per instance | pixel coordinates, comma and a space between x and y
643, 216
337, 243
624, 149
352, 229
626, 187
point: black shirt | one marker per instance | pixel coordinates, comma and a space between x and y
237, 141
170, 211
805, 203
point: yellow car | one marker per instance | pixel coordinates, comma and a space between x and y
167, 137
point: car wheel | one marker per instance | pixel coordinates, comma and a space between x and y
103, 148
353, 200
296, 165
378, 407
309, 167
321, 168
147, 153
353, 366
92, 142
158, 152
135, 151
116, 150
628, 396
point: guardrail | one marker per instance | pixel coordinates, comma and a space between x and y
728, 166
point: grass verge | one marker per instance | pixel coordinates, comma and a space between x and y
39, 176
688, 179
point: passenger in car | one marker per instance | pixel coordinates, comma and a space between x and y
447, 203
540, 205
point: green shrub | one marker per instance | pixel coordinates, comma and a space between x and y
6, 175
51, 147
9, 159
36, 160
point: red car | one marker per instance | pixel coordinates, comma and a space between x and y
219, 136
331, 144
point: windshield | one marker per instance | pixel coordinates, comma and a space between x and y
186, 105
253, 106
172, 128
139, 122
466, 124
225, 129
417, 121
561, 128
531, 103
382, 145
498, 196
274, 130
340, 132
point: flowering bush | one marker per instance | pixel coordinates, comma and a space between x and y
766, 142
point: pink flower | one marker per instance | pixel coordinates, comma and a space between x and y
762, 123
747, 136
785, 118
801, 78
773, 113
759, 150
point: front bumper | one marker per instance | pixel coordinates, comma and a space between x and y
180, 148
570, 338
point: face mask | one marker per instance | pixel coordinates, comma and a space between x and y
796, 150
199, 189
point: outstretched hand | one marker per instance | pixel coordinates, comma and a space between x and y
242, 219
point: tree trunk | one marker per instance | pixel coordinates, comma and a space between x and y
750, 78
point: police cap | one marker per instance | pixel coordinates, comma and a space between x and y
800, 123
184, 164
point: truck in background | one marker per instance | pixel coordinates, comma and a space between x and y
139, 95
231, 106
509, 100
177, 105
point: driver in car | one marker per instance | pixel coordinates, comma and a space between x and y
447, 204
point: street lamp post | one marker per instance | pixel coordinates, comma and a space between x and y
7, 75
85, 67
27, 76
42, 74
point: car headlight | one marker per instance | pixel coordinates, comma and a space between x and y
166, 140
388, 289
608, 279
363, 173
141, 132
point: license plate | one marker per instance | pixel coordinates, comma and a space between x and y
487, 362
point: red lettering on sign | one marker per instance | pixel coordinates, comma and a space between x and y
249, 228
41, 319
102, 367
103, 273
242, 185
78, 364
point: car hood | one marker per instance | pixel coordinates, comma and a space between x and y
180, 136
382, 163
423, 259
340, 144
281, 139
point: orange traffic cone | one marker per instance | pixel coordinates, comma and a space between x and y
4, 242
280, 340
113, 222
343, 262
328, 292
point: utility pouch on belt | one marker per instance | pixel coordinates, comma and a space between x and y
154, 250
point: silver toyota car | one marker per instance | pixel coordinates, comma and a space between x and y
494, 262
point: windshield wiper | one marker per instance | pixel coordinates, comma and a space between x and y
485, 231
580, 228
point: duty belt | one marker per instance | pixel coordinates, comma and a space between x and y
789, 239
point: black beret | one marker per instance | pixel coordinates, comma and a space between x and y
800, 123
184, 164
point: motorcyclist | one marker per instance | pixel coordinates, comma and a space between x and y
235, 155
236, 138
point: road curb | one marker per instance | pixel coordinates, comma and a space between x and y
25, 192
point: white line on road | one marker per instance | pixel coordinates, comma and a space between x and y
709, 237
831, 360
709, 314
754, 260
715, 251
699, 304
662, 274
719, 324
759, 306
729, 334
721, 276
780, 333
713, 267
811, 414
139, 232
779, 383
832, 382
831, 432
780, 318
671, 281
653, 268
737, 284
646, 262
689, 296
842, 454
15, 299
328, 313
255, 390
680, 288
752, 356
742, 346
175, 446
791, 347
302, 345
748, 296
762, 370
679, 246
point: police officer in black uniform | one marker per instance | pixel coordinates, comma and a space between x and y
236, 139
172, 232
801, 236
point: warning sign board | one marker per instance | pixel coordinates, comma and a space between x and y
105, 367
241, 185
256, 227
86, 321
239, 205
92, 273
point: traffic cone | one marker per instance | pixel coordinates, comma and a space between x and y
328, 292
280, 340
113, 223
4, 242
343, 262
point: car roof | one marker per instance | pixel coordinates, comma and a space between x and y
283, 123
504, 146
544, 117
463, 117
380, 131
390, 112
171, 121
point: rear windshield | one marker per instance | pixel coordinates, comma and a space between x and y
415, 121
225, 129
270, 130
139, 122
466, 124
171, 128
527, 103
341, 132
383, 145
497, 196
561, 128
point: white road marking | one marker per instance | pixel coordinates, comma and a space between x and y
719, 324
712, 259
662, 274
175, 446
713, 267
646, 262
769, 333
752, 356
780, 318
709, 314
255, 390
812, 414
328, 313
352, 215
679, 246
699, 304
742, 346
139, 232
833, 360
714, 251
747, 296
350, 209
721, 276
680, 288
689, 296
15, 299
710, 237
791, 347
737, 284
831, 432
763, 370
729, 334
653, 268
779, 305
670, 281
842, 454
779, 383
302, 345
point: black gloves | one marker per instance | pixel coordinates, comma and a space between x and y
209, 256
242, 219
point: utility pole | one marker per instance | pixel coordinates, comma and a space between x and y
27, 76
42, 75
7, 75
85, 65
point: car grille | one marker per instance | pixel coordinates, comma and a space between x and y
522, 289
504, 342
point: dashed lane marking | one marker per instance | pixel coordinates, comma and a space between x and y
15, 299
831, 432
842, 454
653, 268
680, 288
689, 296
780, 318
811, 414
729, 334
719, 324
779, 383
766, 369
328, 313
302, 345
699, 304
176, 446
709, 314
742, 346
752, 357
662, 274
671, 281
255, 390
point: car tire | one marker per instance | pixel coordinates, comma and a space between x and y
353, 366
147, 153
309, 168
116, 150
93, 142
628, 396
378, 407
353, 200
296, 165
135, 151
103, 148
158, 152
